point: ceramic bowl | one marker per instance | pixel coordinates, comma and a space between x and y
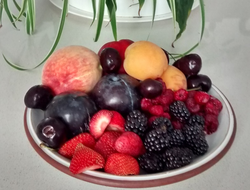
219, 143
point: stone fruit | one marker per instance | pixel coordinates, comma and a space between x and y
72, 68
145, 60
52, 132
174, 78
38, 97
110, 60
84, 159
199, 81
75, 110
116, 92
120, 46
150, 88
190, 64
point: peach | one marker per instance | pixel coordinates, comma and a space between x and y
72, 68
145, 60
174, 78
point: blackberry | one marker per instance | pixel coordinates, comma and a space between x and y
177, 138
179, 111
151, 162
177, 157
196, 119
195, 138
162, 123
156, 140
136, 122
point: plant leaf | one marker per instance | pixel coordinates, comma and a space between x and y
9, 14
31, 16
21, 9
141, 3
101, 10
94, 11
1, 12
112, 7
55, 43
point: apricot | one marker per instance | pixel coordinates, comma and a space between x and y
72, 68
174, 78
145, 60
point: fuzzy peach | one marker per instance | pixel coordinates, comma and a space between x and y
72, 68
174, 78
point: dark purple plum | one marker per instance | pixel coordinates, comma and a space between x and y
150, 88
190, 64
38, 97
75, 110
110, 60
117, 92
52, 132
199, 81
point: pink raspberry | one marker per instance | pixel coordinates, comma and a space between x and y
156, 110
211, 123
177, 124
192, 106
191, 93
167, 115
201, 97
146, 104
214, 106
181, 95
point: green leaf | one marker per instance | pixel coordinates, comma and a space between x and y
94, 11
9, 14
21, 9
1, 12
55, 43
141, 3
180, 10
30, 18
100, 18
112, 7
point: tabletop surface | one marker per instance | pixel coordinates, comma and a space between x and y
225, 52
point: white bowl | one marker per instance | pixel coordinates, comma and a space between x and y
219, 143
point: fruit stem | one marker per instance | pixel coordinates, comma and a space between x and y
191, 89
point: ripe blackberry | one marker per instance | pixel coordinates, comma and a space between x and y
156, 140
151, 162
177, 138
196, 119
177, 157
179, 111
195, 138
162, 123
136, 122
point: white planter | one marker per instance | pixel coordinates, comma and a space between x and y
127, 10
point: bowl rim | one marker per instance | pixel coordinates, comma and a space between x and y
138, 181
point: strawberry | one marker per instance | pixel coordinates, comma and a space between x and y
84, 159
130, 143
68, 148
99, 122
122, 165
117, 122
106, 143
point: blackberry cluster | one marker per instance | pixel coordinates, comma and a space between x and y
151, 162
176, 138
195, 138
179, 111
196, 119
136, 122
162, 123
177, 157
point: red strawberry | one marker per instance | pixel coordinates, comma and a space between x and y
117, 122
68, 148
99, 122
84, 159
130, 143
106, 143
122, 165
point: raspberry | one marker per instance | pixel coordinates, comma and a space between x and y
177, 124
201, 98
214, 106
192, 106
181, 95
166, 115
156, 110
167, 97
146, 104
211, 123
191, 93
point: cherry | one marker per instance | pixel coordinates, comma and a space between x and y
150, 88
110, 60
199, 81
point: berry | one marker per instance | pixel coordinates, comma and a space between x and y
211, 123
146, 104
177, 138
177, 157
68, 148
214, 106
156, 110
129, 143
192, 105
84, 159
162, 123
195, 138
179, 111
99, 122
117, 122
122, 165
151, 162
201, 98
196, 119
177, 124
106, 143
181, 95
136, 122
